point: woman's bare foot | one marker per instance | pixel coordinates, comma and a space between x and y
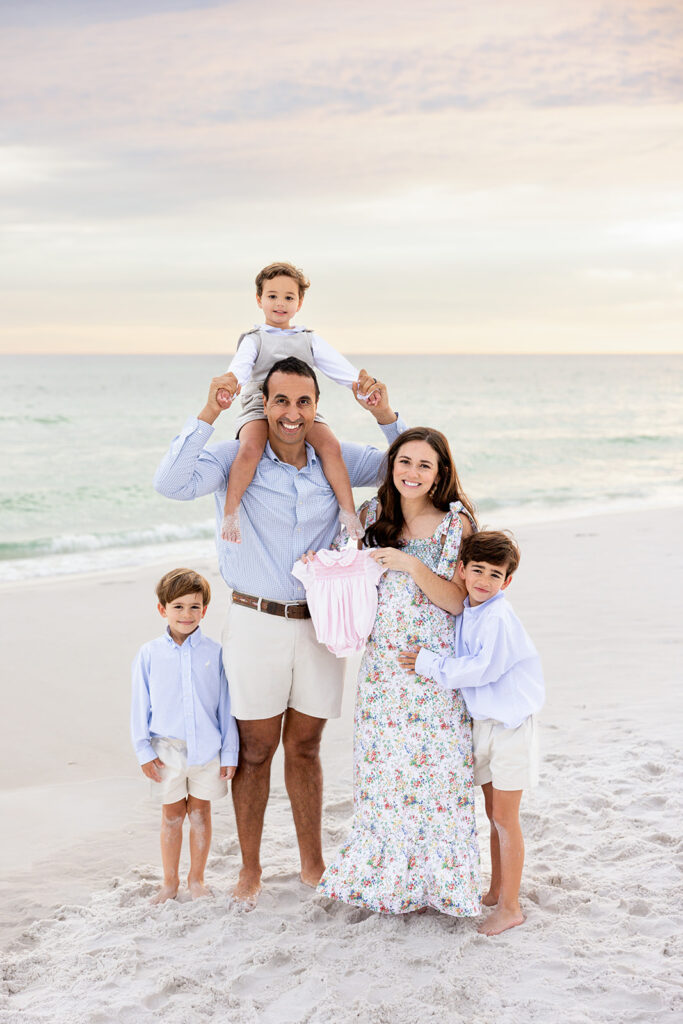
351, 524
247, 887
500, 920
168, 891
489, 900
197, 888
230, 528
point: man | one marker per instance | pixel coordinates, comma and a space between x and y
283, 683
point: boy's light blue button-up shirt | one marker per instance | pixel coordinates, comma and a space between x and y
180, 691
495, 665
285, 511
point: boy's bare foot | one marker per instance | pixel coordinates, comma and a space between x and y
500, 920
230, 528
247, 887
489, 900
167, 892
351, 524
197, 889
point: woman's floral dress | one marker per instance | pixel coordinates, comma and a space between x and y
414, 839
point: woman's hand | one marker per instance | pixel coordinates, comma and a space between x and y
392, 558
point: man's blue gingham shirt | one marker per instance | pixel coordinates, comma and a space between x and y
285, 511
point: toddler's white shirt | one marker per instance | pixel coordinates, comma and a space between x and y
325, 358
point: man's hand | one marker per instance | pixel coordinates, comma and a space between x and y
225, 395
378, 404
407, 659
227, 382
228, 771
152, 769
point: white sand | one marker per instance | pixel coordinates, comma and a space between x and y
602, 886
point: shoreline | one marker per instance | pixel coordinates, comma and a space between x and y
157, 555
598, 595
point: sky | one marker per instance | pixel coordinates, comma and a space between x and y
452, 176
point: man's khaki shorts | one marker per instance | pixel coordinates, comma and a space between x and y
273, 663
508, 758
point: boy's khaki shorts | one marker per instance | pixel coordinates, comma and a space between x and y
273, 663
508, 758
180, 779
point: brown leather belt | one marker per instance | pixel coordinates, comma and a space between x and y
289, 610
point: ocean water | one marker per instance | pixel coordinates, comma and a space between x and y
534, 438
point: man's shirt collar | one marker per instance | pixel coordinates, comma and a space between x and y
311, 456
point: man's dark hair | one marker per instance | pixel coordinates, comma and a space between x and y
295, 367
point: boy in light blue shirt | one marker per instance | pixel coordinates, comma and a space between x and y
498, 671
185, 738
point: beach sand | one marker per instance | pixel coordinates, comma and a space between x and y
602, 888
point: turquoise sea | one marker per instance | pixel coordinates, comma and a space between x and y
534, 437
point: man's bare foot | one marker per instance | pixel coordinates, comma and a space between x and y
311, 879
247, 887
490, 900
167, 892
230, 528
500, 920
312, 875
197, 889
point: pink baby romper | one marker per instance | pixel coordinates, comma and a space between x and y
341, 590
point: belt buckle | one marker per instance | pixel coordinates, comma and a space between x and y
288, 605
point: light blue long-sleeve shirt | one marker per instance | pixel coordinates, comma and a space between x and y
495, 665
285, 511
180, 691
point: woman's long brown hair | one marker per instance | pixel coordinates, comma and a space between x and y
386, 532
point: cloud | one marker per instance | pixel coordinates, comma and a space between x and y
173, 146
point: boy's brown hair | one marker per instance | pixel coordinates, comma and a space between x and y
282, 270
179, 582
493, 546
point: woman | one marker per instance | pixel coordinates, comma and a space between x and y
413, 842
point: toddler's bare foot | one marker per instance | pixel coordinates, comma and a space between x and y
500, 920
168, 891
197, 888
247, 888
230, 528
351, 524
489, 900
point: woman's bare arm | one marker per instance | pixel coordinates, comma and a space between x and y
447, 594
